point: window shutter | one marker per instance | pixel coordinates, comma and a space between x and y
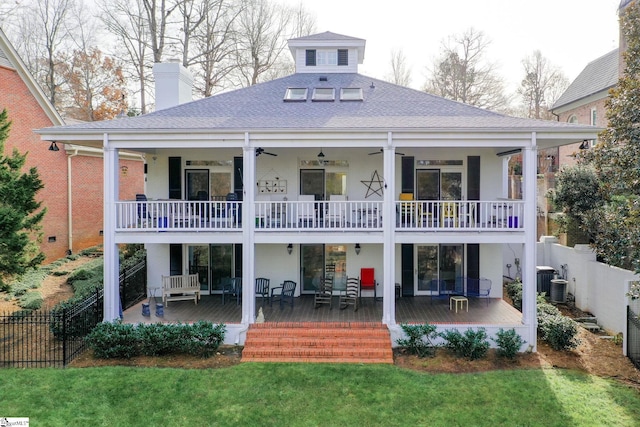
343, 57
311, 57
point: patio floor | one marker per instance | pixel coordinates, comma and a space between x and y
408, 310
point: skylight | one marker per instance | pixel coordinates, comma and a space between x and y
324, 94
351, 94
296, 94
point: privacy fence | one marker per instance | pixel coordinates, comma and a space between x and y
54, 338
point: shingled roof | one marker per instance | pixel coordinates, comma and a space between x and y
599, 75
262, 107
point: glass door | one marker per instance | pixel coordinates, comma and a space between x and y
439, 184
312, 183
199, 263
197, 184
221, 262
311, 267
318, 261
440, 262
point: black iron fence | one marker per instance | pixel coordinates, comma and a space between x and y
633, 337
54, 338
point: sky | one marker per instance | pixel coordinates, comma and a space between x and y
569, 33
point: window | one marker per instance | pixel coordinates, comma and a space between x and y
573, 119
310, 57
327, 57
351, 94
296, 94
594, 117
343, 57
324, 94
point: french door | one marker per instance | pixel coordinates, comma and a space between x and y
318, 261
212, 263
437, 262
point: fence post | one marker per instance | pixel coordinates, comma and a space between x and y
123, 292
64, 337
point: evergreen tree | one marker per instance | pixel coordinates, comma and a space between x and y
20, 213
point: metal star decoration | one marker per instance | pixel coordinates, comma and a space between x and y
374, 186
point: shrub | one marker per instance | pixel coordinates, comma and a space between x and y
472, 344
508, 342
419, 339
514, 291
159, 339
108, 340
559, 331
205, 338
31, 301
114, 340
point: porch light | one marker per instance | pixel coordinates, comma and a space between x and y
357, 248
289, 248
584, 145
321, 154
53, 146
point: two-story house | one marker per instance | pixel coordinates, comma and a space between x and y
323, 173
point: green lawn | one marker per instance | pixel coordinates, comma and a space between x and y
255, 394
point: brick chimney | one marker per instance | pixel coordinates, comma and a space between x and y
174, 84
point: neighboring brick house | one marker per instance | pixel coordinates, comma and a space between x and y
72, 176
584, 100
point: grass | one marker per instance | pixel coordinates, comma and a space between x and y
256, 394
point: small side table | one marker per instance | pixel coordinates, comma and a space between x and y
459, 301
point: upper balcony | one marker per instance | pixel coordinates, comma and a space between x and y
312, 215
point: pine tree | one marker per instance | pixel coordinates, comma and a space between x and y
20, 213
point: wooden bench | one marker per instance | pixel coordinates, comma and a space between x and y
179, 288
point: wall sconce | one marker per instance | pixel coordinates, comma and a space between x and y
583, 146
289, 248
357, 248
124, 169
53, 146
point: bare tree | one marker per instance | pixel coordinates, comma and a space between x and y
41, 34
400, 72
157, 14
262, 36
126, 19
193, 14
214, 43
543, 83
462, 73
303, 22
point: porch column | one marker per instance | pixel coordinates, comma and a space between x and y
529, 318
388, 221
248, 232
111, 260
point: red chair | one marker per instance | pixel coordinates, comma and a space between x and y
368, 281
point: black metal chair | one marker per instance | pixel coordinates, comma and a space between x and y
324, 293
287, 291
232, 286
142, 208
262, 288
351, 295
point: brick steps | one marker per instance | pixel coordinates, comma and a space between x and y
314, 342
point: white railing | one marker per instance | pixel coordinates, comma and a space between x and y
318, 215
503, 215
178, 215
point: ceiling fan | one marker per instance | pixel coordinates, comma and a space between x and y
260, 150
381, 150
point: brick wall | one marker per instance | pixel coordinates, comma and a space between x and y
583, 114
27, 115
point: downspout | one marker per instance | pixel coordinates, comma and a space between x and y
70, 202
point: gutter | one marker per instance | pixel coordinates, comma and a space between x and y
70, 201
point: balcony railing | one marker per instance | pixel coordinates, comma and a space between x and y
422, 215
